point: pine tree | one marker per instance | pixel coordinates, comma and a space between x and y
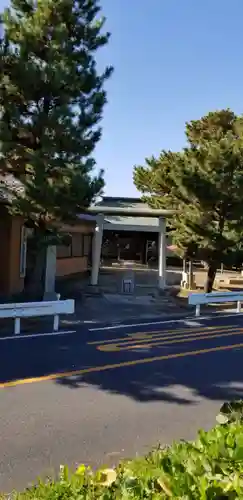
51, 99
204, 184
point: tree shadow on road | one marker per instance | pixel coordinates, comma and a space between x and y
217, 376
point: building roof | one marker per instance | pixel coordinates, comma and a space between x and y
9, 187
130, 221
122, 202
86, 217
121, 220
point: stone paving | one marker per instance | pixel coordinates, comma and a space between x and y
113, 307
145, 280
106, 303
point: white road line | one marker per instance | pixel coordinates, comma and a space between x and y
192, 323
167, 321
224, 315
122, 325
37, 335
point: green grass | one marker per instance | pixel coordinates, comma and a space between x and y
211, 467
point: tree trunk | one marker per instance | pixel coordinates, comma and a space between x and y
190, 274
35, 272
212, 269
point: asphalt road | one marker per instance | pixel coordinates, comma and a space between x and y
97, 396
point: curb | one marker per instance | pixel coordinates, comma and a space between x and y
118, 321
155, 319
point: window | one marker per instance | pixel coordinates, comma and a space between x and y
63, 251
77, 245
87, 244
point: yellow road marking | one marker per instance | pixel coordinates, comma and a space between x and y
142, 344
95, 369
159, 332
154, 338
137, 335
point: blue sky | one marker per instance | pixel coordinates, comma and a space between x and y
174, 61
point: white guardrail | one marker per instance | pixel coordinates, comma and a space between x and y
198, 299
36, 309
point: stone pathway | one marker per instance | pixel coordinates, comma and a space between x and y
116, 307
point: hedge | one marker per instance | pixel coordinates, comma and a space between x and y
211, 467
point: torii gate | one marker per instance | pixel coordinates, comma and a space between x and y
102, 211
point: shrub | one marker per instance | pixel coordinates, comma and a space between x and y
211, 467
230, 412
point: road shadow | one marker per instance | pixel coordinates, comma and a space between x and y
214, 376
